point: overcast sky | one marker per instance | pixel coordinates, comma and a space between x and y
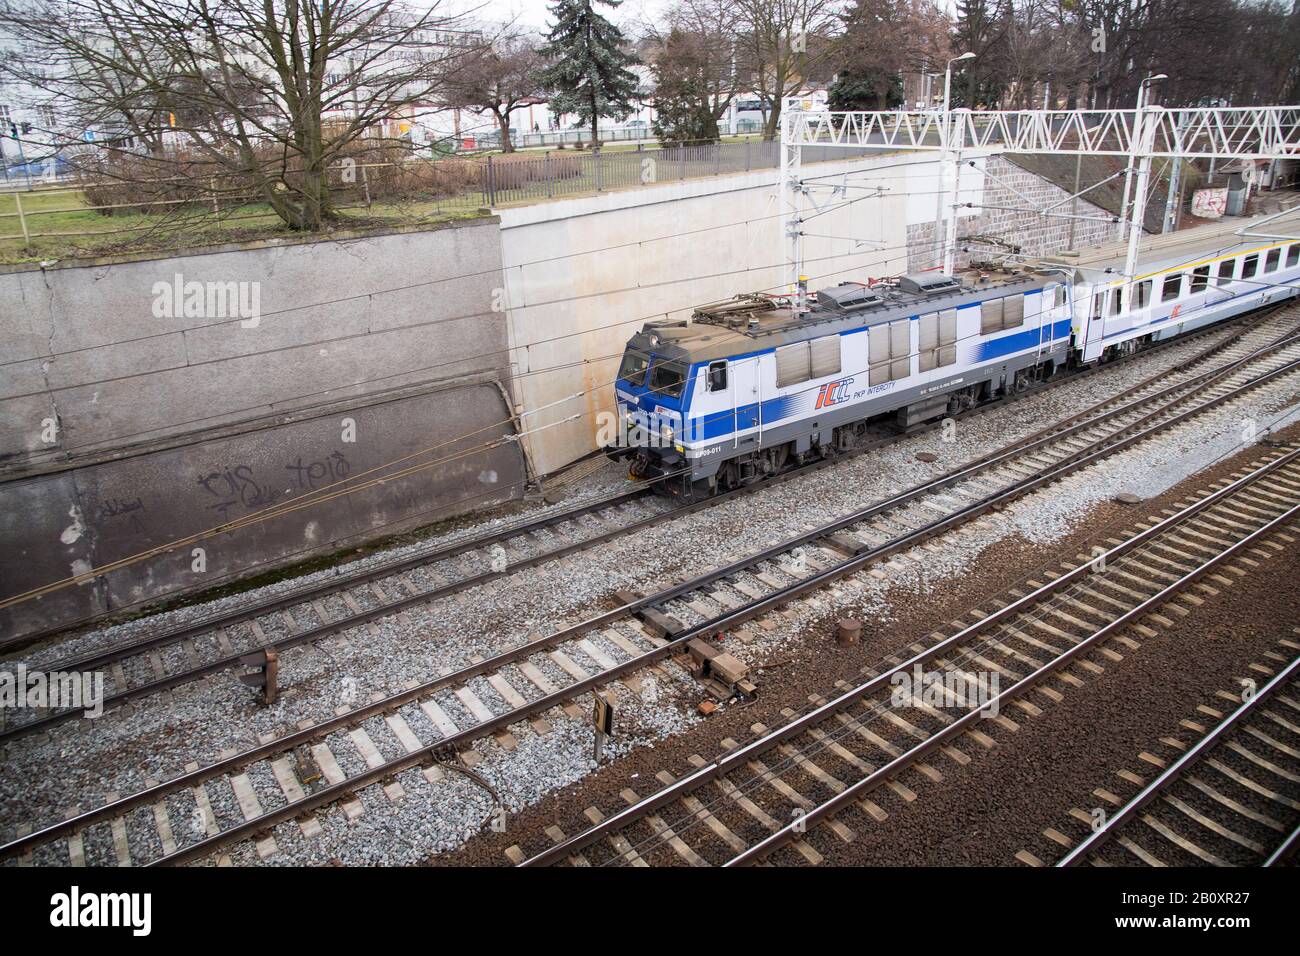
535, 14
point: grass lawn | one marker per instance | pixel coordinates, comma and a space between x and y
61, 225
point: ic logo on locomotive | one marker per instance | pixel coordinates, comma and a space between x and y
833, 393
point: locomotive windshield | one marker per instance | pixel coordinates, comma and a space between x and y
633, 367
667, 378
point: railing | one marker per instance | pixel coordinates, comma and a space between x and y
1200, 132
522, 179
412, 191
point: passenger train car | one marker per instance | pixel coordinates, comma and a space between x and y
754, 385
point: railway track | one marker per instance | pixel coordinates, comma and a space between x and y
1229, 798
792, 794
178, 655
436, 720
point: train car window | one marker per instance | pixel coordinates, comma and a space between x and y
633, 367
1249, 266
1200, 278
991, 311
717, 380
1173, 285
1062, 296
1117, 301
1226, 268
1097, 299
825, 356
1273, 261
792, 365
1293, 255
1143, 294
667, 378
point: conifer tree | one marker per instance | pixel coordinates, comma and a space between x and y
589, 72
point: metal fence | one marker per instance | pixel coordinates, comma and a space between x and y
58, 218
522, 179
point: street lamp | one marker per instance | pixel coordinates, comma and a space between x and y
1147, 82
947, 78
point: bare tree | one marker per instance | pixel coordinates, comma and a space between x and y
705, 46
267, 93
783, 44
499, 78
882, 40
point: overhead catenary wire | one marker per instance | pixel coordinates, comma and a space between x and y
316, 496
517, 347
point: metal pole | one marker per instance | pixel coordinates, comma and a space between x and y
1074, 203
789, 185
22, 221
944, 134
1132, 156
1171, 201
22, 158
1146, 131
950, 237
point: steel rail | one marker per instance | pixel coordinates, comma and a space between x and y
455, 548
230, 661
476, 542
1103, 834
1284, 850
799, 725
193, 778
679, 641
791, 831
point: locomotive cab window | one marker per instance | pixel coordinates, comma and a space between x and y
717, 380
1273, 261
1293, 254
1173, 285
1249, 266
1200, 278
633, 367
1226, 269
667, 378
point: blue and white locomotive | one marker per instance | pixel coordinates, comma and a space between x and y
754, 385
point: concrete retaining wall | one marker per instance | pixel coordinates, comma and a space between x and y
583, 274
168, 422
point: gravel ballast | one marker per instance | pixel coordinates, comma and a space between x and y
156, 737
